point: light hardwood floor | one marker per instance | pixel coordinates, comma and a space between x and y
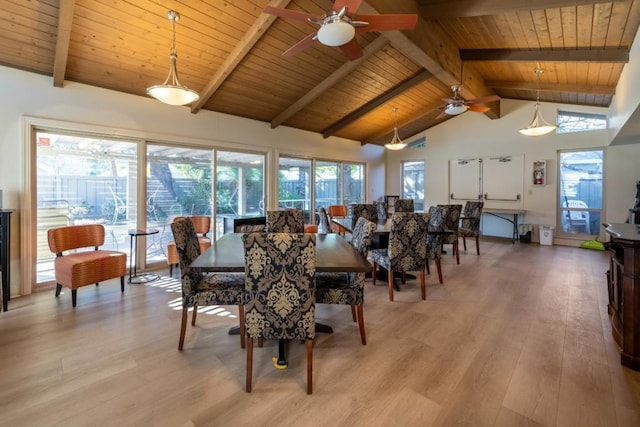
519, 336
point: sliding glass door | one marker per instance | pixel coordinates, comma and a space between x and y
240, 188
179, 183
83, 180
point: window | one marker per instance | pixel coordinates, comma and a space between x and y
332, 183
178, 183
327, 183
413, 183
83, 180
240, 188
353, 189
580, 203
580, 122
294, 185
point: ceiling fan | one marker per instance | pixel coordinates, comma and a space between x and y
338, 28
457, 105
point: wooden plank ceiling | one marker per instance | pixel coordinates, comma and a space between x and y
231, 53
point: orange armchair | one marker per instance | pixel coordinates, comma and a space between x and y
337, 211
74, 269
202, 224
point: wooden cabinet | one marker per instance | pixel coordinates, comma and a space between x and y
623, 285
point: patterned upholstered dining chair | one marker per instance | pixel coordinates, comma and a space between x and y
437, 215
368, 211
348, 288
451, 222
287, 221
202, 225
404, 205
280, 282
407, 249
325, 223
203, 290
470, 223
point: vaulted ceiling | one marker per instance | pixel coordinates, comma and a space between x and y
231, 53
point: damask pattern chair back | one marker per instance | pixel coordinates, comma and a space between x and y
437, 215
407, 249
203, 290
451, 222
188, 248
280, 282
202, 225
404, 205
368, 211
362, 235
382, 209
470, 223
324, 220
287, 221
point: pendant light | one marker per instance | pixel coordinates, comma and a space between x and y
171, 91
538, 125
396, 143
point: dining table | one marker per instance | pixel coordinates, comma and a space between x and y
333, 254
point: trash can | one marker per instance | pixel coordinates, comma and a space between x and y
524, 230
546, 235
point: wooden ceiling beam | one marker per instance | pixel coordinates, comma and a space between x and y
63, 38
417, 78
429, 46
327, 83
551, 87
259, 27
441, 9
546, 55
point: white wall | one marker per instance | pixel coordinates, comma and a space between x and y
27, 94
624, 117
474, 135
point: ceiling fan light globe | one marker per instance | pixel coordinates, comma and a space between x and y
454, 110
336, 33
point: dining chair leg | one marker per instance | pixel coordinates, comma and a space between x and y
183, 327
363, 334
404, 277
464, 243
391, 285
309, 366
439, 265
194, 315
423, 284
353, 313
427, 265
478, 244
249, 364
243, 326
456, 250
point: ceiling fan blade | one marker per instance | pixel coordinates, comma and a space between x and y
352, 49
387, 22
352, 6
441, 115
483, 100
288, 13
301, 45
479, 108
